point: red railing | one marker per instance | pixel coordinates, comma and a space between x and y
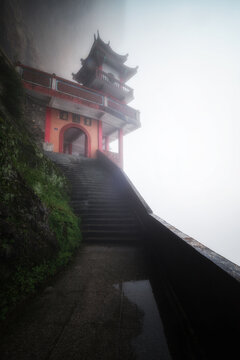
126, 110
51, 81
75, 90
37, 77
110, 79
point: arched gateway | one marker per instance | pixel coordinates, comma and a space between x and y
85, 115
74, 140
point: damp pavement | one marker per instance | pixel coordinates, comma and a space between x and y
100, 307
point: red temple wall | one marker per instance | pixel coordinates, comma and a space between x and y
56, 124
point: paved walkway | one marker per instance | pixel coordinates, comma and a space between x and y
84, 314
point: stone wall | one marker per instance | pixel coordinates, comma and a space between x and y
34, 113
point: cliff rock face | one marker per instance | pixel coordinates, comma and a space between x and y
35, 114
38, 231
16, 38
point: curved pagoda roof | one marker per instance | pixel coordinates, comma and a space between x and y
100, 53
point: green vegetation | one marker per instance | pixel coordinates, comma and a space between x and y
38, 231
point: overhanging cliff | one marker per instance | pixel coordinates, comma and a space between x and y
38, 230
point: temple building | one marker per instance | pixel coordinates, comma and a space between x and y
86, 115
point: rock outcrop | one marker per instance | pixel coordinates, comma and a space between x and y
38, 231
16, 38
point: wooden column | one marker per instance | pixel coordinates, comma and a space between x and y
120, 146
107, 143
100, 135
47, 125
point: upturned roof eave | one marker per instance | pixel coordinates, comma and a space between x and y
79, 76
99, 44
102, 52
126, 72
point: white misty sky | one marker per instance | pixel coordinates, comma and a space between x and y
185, 158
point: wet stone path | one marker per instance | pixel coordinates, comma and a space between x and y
100, 307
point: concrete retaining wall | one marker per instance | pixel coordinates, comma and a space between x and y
204, 285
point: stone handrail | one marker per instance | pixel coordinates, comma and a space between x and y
113, 157
203, 287
109, 78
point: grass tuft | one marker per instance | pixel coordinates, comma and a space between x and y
38, 230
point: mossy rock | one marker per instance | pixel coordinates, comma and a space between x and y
38, 229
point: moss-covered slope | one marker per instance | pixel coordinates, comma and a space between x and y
38, 231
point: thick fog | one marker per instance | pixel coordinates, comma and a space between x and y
185, 158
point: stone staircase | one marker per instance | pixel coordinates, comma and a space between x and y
105, 212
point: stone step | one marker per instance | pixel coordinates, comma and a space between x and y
100, 189
107, 218
96, 198
94, 218
109, 235
75, 181
114, 239
99, 202
109, 226
88, 221
79, 196
97, 187
94, 202
107, 212
112, 231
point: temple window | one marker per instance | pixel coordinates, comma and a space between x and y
63, 115
76, 118
87, 121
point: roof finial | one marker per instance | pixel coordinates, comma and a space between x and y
98, 34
